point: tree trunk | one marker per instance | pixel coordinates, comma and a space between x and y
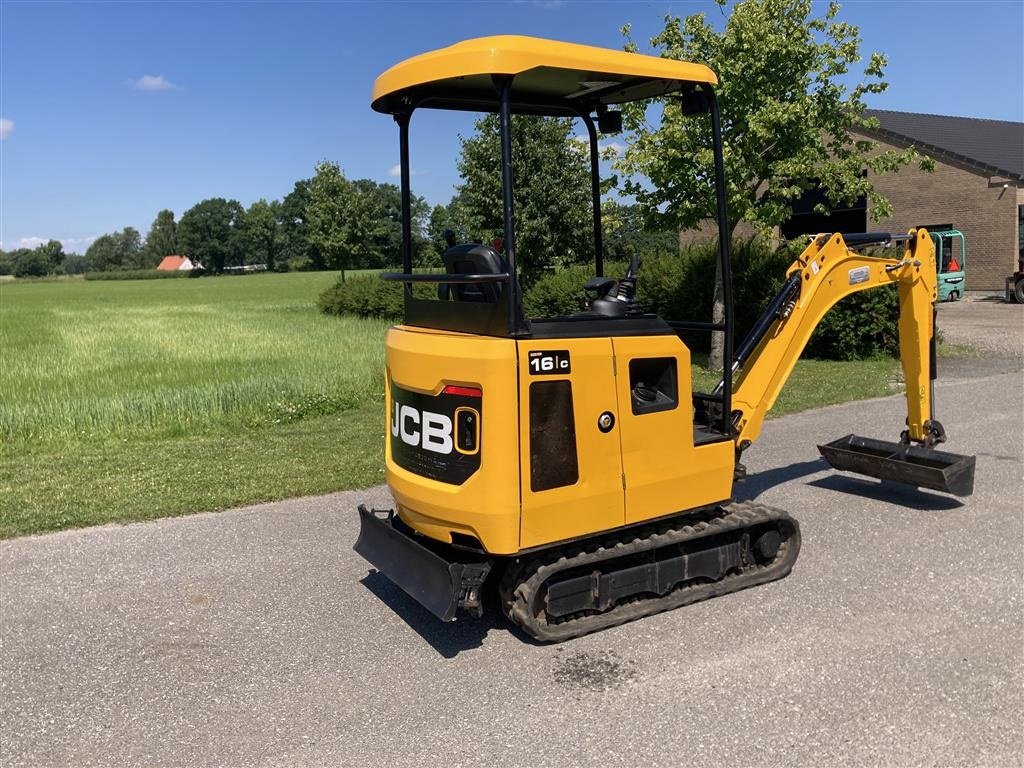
716, 359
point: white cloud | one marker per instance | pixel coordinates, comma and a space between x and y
396, 170
70, 244
603, 147
154, 83
77, 244
6, 127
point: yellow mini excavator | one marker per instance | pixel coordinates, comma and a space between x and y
565, 463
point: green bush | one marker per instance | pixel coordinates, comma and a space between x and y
677, 287
300, 264
860, 326
561, 292
367, 295
142, 274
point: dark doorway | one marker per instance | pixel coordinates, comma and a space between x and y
806, 221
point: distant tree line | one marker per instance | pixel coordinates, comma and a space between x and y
325, 222
331, 222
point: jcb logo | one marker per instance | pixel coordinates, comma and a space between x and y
430, 431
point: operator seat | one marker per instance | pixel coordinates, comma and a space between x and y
473, 259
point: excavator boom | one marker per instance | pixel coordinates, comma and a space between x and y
828, 270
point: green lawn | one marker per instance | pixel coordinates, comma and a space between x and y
131, 400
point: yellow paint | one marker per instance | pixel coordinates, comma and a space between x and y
664, 472
465, 67
647, 465
826, 267
487, 504
595, 501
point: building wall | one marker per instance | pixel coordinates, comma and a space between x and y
973, 202
708, 230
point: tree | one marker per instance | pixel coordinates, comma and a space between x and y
373, 224
129, 245
630, 231
162, 238
31, 262
295, 244
787, 121
74, 264
329, 193
119, 250
551, 191
102, 254
263, 232
53, 252
210, 232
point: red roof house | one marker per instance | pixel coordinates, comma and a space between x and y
171, 263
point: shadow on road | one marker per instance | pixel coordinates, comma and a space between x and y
894, 493
448, 639
755, 485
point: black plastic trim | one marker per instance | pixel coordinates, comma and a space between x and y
460, 279
588, 327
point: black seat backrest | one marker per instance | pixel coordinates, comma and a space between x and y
473, 259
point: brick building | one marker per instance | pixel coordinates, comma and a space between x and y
977, 187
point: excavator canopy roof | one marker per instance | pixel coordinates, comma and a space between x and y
551, 77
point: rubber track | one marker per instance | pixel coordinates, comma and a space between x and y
523, 582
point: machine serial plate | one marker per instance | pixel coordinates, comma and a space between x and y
549, 362
859, 275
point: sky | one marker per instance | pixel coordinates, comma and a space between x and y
110, 112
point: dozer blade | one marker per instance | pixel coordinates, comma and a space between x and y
439, 585
910, 464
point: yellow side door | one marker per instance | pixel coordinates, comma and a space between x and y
664, 471
571, 474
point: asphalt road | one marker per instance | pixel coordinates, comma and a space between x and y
256, 637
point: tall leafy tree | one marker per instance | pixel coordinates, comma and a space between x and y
629, 231
53, 252
295, 244
551, 191
75, 264
162, 238
788, 118
118, 250
210, 232
103, 254
129, 245
263, 232
30, 262
329, 196
372, 223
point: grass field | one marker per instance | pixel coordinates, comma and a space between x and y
86, 362
138, 399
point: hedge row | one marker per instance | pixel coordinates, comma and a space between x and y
679, 287
142, 274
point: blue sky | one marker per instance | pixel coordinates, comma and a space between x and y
112, 111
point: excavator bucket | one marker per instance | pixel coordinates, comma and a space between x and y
910, 464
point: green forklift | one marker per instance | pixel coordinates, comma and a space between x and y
950, 256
